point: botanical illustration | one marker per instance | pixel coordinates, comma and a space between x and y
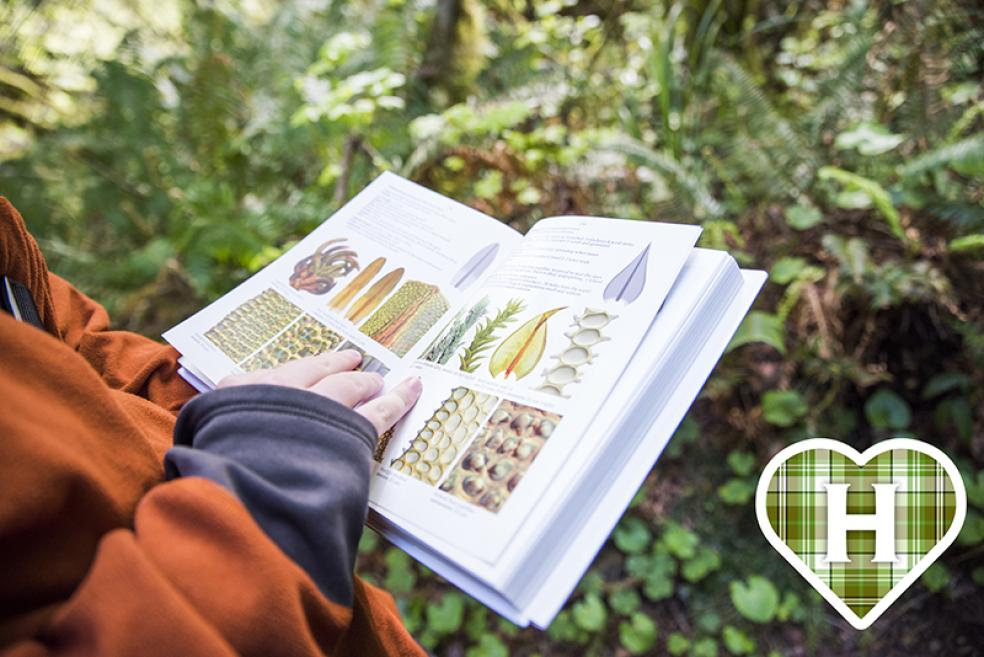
355, 286
472, 270
305, 337
374, 296
443, 347
500, 455
521, 351
318, 272
585, 333
381, 444
252, 323
443, 437
486, 334
369, 362
628, 284
838, 144
406, 316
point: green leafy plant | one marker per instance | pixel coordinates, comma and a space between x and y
756, 598
487, 333
169, 154
783, 408
638, 634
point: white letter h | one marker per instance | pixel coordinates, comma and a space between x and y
839, 522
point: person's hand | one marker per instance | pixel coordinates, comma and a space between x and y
331, 375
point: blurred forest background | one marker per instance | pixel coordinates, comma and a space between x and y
162, 150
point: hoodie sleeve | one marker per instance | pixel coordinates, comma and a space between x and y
298, 462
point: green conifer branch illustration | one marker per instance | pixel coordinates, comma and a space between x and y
485, 336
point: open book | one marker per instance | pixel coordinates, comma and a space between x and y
556, 366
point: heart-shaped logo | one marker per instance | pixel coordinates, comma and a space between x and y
861, 528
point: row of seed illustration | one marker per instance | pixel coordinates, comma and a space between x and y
585, 333
500, 455
247, 327
587, 329
438, 444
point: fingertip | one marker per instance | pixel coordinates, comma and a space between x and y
415, 385
409, 390
377, 379
352, 354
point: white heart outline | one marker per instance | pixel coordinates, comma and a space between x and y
860, 459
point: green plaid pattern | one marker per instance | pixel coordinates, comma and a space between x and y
925, 504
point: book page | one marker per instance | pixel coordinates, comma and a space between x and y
377, 276
518, 372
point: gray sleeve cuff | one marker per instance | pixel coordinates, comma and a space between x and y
299, 462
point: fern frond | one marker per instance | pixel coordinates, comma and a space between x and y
756, 132
486, 335
964, 155
682, 178
840, 91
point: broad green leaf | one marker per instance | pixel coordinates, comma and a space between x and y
803, 217
677, 644
624, 601
632, 536
592, 582
736, 491
400, 577
789, 607
658, 576
638, 634
972, 532
488, 646
706, 647
446, 616
742, 463
975, 488
756, 598
936, 578
477, 623
783, 408
759, 326
657, 586
709, 621
886, 410
704, 563
639, 565
737, 642
563, 628
680, 541
590, 614
785, 270
868, 139
368, 542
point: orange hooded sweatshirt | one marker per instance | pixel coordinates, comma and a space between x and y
101, 555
